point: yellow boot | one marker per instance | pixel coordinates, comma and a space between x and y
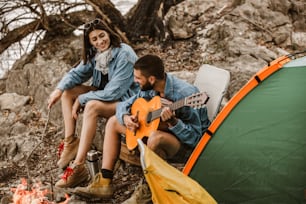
71, 145
99, 188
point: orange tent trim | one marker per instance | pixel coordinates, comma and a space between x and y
250, 85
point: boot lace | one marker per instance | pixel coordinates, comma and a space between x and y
60, 149
68, 172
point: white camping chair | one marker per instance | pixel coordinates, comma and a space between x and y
214, 81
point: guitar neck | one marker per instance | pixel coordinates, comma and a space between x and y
156, 113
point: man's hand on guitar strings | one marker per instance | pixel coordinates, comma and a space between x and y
131, 122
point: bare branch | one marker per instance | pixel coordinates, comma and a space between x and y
59, 25
18, 34
43, 15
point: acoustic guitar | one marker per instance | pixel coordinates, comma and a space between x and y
148, 114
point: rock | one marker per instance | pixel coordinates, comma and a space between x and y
282, 6
299, 38
7, 119
13, 101
18, 80
179, 29
2, 86
18, 128
185, 75
8, 150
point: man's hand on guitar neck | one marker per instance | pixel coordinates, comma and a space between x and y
168, 116
131, 122
165, 102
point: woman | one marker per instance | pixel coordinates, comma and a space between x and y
110, 65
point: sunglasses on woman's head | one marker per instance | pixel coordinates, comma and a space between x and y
92, 23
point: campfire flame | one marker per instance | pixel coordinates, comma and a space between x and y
34, 196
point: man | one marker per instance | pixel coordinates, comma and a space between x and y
178, 132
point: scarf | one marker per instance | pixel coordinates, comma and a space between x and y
102, 60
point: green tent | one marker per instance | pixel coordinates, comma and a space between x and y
255, 149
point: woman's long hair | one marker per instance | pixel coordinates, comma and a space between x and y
89, 51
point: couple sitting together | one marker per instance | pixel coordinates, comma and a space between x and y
119, 77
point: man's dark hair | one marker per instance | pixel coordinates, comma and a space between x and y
150, 65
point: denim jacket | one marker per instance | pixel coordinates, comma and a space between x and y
192, 123
120, 84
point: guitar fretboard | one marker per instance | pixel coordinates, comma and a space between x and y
174, 106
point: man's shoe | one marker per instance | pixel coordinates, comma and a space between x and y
99, 188
141, 195
69, 151
73, 176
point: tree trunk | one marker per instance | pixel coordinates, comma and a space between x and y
146, 21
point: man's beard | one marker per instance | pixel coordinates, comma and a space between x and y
147, 86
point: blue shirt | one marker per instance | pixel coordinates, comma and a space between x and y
120, 84
192, 123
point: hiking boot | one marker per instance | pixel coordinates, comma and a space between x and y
141, 195
70, 148
99, 188
73, 176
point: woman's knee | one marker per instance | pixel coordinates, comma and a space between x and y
92, 107
100, 108
114, 125
111, 122
68, 94
71, 94
76, 91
